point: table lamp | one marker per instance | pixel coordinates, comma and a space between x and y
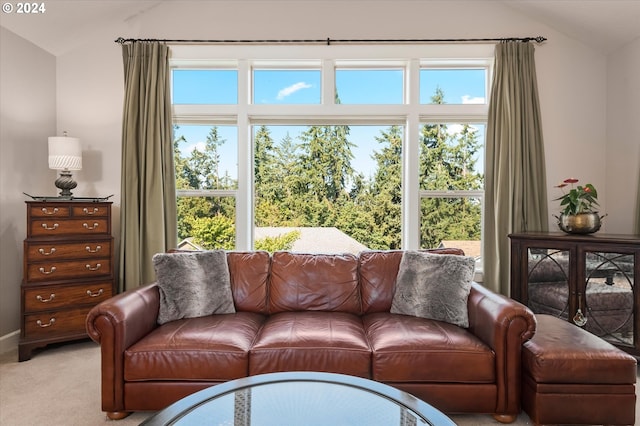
65, 154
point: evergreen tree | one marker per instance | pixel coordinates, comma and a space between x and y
327, 161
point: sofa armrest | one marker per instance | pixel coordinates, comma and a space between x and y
504, 324
116, 324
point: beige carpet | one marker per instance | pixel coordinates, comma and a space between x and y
61, 386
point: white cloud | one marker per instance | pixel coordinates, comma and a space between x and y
452, 129
197, 146
292, 89
466, 99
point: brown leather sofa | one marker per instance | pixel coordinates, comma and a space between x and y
303, 312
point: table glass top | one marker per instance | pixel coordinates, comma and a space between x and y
282, 399
301, 403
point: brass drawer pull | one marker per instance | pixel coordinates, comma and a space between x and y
51, 297
96, 294
51, 322
51, 271
95, 268
44, 253
86, 210
46, 211
97, 249
53, 228
91, 228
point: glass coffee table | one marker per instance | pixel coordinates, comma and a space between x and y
300, 398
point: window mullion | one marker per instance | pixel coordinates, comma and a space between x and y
411, 162
244, 200
328, 82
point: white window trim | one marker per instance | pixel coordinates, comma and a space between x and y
244, 115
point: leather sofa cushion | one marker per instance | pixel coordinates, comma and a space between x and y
311, 341
378, 272
411, 349
214, 348
314, 282
249, 274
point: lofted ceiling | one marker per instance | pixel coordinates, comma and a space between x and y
605, 25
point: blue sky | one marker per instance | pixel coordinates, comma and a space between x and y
277, 87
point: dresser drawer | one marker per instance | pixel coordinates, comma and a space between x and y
63, 270
74, 209
40, 210
56, 323
89, 210
49, 297
53, 227
51, 250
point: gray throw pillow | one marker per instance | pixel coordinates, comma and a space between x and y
434, 286
193, 284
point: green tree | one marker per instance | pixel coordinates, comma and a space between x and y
326, 160
387, 188
280, 242
217, 232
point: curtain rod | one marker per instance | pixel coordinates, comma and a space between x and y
328, 41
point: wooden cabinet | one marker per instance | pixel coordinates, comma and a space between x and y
589, 280
68, 269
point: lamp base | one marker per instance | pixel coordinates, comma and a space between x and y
66, 183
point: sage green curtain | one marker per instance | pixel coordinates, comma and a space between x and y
515, 181
148, 220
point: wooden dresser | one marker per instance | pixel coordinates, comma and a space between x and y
68, 268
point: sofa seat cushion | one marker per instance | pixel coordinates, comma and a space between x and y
412, 349
214, 348
311, 341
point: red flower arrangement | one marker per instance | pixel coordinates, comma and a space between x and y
579, 199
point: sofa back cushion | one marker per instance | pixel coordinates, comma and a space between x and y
249, 273
314, 282
378, 273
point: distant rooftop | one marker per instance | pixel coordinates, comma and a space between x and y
315, 239
470, 248
333, 240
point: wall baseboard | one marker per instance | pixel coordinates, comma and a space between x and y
9, 342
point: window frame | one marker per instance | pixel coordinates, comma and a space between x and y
410, 114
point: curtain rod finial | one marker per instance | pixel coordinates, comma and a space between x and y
120, 40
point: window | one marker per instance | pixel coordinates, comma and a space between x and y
338, 149
286, 86
370, 86
206, 183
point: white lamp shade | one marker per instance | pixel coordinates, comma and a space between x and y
65, 153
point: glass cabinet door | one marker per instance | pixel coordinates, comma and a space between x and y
548, 282
609, 285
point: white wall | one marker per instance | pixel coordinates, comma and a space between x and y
573, 82
27, 119
623, 138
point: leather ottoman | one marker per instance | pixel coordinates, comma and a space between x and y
571, 376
